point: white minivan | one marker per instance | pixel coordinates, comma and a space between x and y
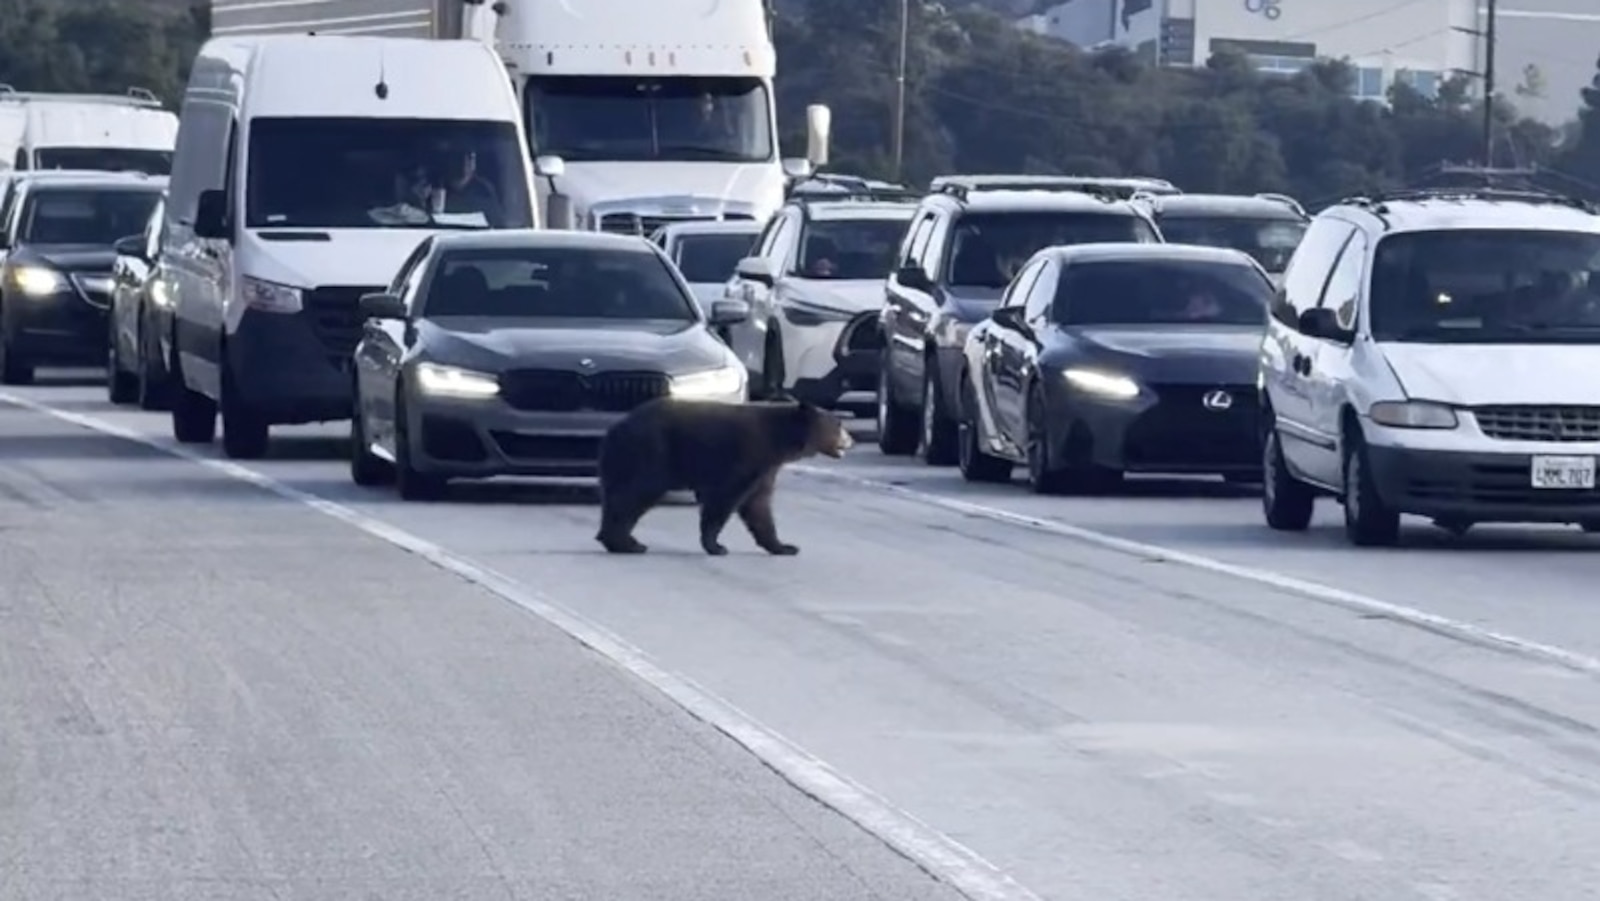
308, 168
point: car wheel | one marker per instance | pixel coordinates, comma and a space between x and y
412, 485
937, 445
1287, 502
1043, 476
366, 468
772, 375
14, 369
1368, 521
897, 431
194, 416
154, 382
975, 464
121, 386
245, 432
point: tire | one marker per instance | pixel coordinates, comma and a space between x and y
14, 368
1286, 502
366, 469
1368, 521
245, 432
1043, 476
897, 430
975, 464
194, 416
411, 484
154, 383
772, 367
937, 439
122, 387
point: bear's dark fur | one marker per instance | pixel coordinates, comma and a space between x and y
727, 454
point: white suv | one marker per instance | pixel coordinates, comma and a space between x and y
1437, 353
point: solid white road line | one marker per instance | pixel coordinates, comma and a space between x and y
1455, 629
941, 856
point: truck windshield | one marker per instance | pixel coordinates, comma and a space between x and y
627, 119
385, 173
109, 159
88, 216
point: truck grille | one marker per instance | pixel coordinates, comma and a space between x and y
636, 224
335, 314
559, 390
1539, 423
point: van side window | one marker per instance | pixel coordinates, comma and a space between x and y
200, 162
916, 245
1309, 269
1344, 286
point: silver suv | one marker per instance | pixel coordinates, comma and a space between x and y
1434, 353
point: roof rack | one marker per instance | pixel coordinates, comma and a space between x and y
1379, 202
1284, 199
826, 187
135, 96
960, 186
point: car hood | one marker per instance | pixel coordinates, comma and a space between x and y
846, 296
72, 257
971, 304
1180, 354
313, 258
495, 344
1473, 374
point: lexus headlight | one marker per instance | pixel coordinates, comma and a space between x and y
1413, 414
1105, 384
724, 381
450, 381
160, 294
37, 281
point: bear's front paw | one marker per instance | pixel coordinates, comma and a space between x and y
622, 545
783, 550
714, 549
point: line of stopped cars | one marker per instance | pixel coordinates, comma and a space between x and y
1425, 352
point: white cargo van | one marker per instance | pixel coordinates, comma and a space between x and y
308, 169
94, 131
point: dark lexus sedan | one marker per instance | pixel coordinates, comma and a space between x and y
1104, 359
512, 352
55, 285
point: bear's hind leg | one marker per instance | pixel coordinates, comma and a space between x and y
756, 511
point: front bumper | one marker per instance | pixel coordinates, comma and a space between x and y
293, 368
1167, 429
67, 327
835, 359
1473, 486
483, 439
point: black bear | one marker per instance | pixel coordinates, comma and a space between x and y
727, 454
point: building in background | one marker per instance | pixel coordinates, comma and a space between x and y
1547, 49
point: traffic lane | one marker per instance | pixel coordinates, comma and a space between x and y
1099, 725
1533, 581
206, 690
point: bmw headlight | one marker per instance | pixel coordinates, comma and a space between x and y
722, 382
1105, 384
451, 381
1413, 414
37, 281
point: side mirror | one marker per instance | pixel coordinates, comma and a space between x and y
211, 215
1009, 317
558, 212
756, 269
131, 246
914, 277
729, 312
382, 306
819, 130
549, 166
1323, 323
797, 168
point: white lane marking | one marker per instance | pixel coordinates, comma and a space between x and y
939, 855
1457, 629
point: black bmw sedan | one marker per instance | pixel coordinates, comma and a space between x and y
512, 352
1104, 359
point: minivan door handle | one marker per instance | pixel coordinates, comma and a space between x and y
1302, 364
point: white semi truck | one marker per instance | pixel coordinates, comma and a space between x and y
639, 113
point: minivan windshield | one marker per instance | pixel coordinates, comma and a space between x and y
634, 119
1271, 241
106, 159
385, 173
1161, 292
850, 249
86, 216
1487, 285
711, 256
556, 283
989, 248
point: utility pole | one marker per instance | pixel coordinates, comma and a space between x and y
1488, 84
900, 91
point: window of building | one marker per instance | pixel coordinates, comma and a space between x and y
1280, 65
1423, 82
1369, 84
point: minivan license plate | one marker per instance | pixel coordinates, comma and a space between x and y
1563, 472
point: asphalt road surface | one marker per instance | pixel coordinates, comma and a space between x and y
261, 681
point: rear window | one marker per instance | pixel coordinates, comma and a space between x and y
1161, 292
987, 249
1270, 240
108, 159
556, 283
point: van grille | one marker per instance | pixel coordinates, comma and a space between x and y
1539, 423
335, 314
559, 390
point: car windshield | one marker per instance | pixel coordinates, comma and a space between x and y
556, 283
1161, 292
1270, 240
989, 248
711, 257
386, 173
630, 119
92, 216
1496, 285
850, 249
107, 159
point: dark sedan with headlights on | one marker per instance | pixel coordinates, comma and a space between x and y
1104, 359
509, 353
55, 284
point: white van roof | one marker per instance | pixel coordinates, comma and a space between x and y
74, 123
363, 77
